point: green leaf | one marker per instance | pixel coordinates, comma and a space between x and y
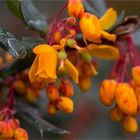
32, 17
20, 64
13, 6
11, 44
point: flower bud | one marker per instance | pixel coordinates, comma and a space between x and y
86, 56
85, 83
136, 74
62, 55
52, 92
107, 92
14, 124
71, 21
116, 114
32, 95
20, 134
52, 109
88, 69
71, 43
57, 37
5, 130
66, 88
75, 8
126, 98
65, 104
137, 92
130, 124
19, 86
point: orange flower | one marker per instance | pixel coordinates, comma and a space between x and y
90, 27
65, 104
126, 98
44, 65
136, 74
75, 8
52, 92
93, 28
130, 124
107, 92
116, 114
6, 130
20, 134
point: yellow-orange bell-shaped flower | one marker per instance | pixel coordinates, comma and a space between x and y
90, 27
75, 8
44, 65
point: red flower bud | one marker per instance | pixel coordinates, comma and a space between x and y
66, 88
20, 134
5, 130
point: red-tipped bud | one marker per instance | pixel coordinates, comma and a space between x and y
65, 104
52, 92
20, 134
136, 74
66, 88
52, 109
14, 124
5, 130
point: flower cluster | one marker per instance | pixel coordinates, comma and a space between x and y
65, 56
60, 97
10, 129
70, 49
123, 88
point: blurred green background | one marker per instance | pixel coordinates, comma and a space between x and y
90, 119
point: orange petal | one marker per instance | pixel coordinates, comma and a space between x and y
47, 68
103, 51
108, 19
43, 48
33, 69
71, 70
108, 36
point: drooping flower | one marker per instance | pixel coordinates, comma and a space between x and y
136, 74
126, 98
93, 28
20, 134
65, 104
75, 8
107, 92
130, 124
44, 65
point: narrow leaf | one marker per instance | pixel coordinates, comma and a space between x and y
32, 17
11, 44
13, 6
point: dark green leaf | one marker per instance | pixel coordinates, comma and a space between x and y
32, 17
13, 5
11, 44
20, 64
